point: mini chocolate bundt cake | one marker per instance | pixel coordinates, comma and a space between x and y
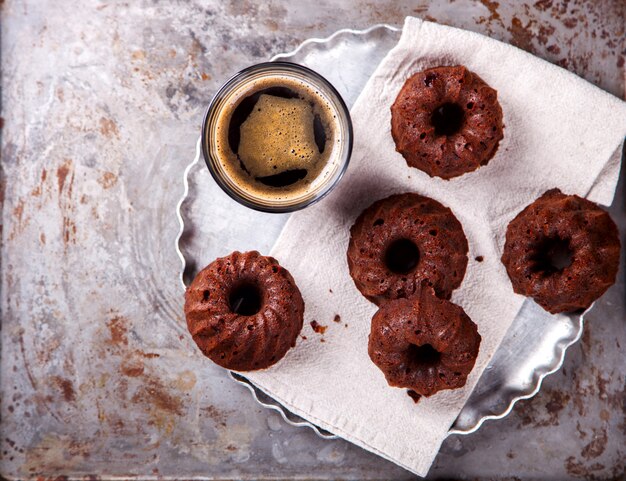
402, 240
244, 311
563, 251
446, 121
424, 343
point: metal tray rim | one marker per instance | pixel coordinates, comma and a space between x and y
539, 375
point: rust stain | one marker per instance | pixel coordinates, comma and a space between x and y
20, 221
18, 211
62, 173
69, 231
138, 55
121, 388
154, 393
68, 362
68, 226
543, 5
40, 400
66, 387
556, 404
196, 50
117, 425
185, 381
108, 127
597, 445
219, 417
570, 22
530, 415
147, 355
579, 470
132, 366
118, 330
602, 386
44, 355
493, 10
554, 49
545, 33
521, 36
31, 379
107, 180
54, 454
317, 327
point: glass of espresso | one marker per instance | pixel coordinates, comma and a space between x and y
277, 137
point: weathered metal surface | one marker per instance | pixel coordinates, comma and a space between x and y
102, 104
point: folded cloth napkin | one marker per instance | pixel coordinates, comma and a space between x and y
560, 131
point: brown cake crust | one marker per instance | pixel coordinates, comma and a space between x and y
465, 148
429, 225
244, 342
576, 225
424, 343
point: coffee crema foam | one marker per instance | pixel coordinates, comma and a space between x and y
277, 138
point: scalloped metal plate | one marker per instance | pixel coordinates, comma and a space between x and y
212, 226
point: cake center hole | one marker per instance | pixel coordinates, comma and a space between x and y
424, 355
402, 256
447, 119
245, 299
553, 255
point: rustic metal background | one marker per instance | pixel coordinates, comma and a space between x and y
102, 103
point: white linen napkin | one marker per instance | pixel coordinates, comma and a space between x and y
560, 131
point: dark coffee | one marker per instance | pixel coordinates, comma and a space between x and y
278, 138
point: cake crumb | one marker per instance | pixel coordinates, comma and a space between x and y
330, 290
322, 340
479, 258
345, 325
318, 328
337, 318
304, 338
413, 395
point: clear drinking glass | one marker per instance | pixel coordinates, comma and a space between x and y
238, 88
